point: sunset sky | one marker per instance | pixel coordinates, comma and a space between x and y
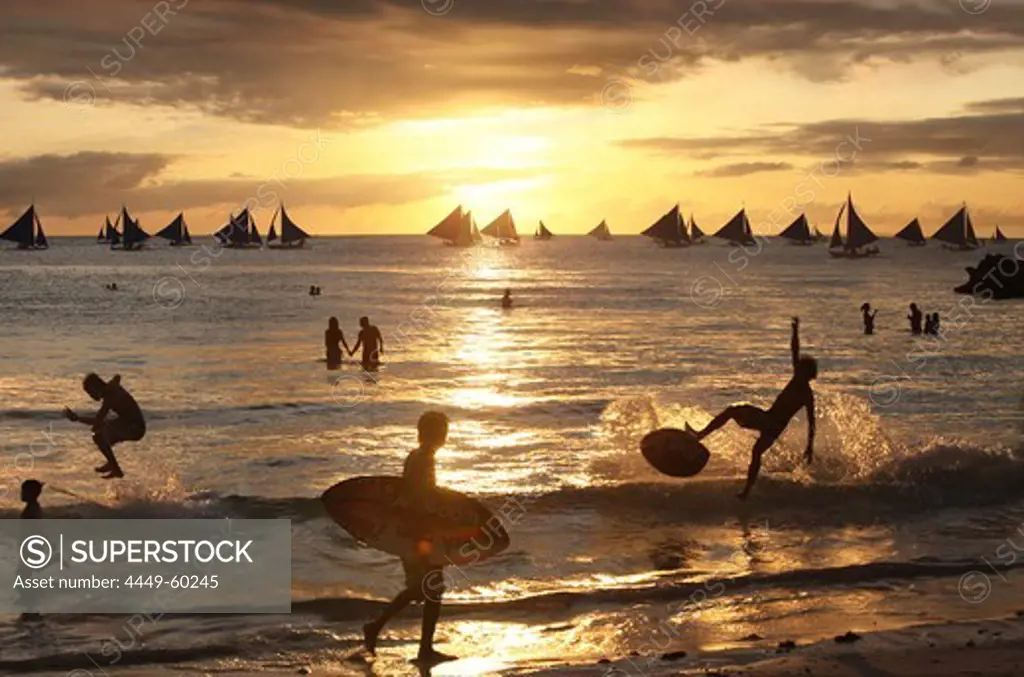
380, 116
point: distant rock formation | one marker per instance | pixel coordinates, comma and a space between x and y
995, 277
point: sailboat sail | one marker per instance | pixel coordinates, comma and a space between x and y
41, 242
134, 235
543, 233
601, 231
958, 231
272, 233
22, 230
449, 227
798, 231
857, 232
502, 228
912, 233
999, 237
837, 237
101, 237
186, 238
737, 230
669, 230
291, 234
696, 234
175, 231
236, 233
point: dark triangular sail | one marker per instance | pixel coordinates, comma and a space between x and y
958, 231
186, 238
134, 235
737, 230
601, 231
837, 237
22, 230
502, 228
543, 233
272, 233
449, 227
999, 237
236, 232
857, 232
669, 230
290, 232
798, 231
696, 234
175, 231
912, 233
102, 237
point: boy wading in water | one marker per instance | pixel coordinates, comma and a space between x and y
795, 396
423, 581
128, 426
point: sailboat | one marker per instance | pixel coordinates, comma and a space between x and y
27, 231
543, 233
176, 231
669, 231
913, 234
958, 233
503, 228
858, 235
737, 231
798, 232
109, 234
696, 234
999, 237
292, 237
601, 232
240, 232
133, 237
457, 229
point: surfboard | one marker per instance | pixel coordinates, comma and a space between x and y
443, 526
674, 452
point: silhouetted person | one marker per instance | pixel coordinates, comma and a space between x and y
915, 319
128, 426
372, 344
795, 396
312, 290
30, 492
936, 329
420, 574
332, 338
869, 319
931, 324
506, 300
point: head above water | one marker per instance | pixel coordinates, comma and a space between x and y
364, 321
332, 323
433, 430
913, 306
30, 490
866, 306
807, 368
94, 386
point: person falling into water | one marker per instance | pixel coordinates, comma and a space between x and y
332, 337
869, 319
128, 426
372, 344
421, 577
795, 396
915, 319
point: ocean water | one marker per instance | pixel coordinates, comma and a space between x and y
896, 525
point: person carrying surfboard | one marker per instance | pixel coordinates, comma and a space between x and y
128, 425
421, 576
795, 396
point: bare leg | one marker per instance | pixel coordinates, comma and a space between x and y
746, 415
371, 630
107, 449
762, 445
431, 612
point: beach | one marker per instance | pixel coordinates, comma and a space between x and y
902, 530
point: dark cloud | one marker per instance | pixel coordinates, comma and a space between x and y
992, 140
95, 183
327, 62
743, 169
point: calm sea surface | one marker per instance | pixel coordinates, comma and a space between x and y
916, 477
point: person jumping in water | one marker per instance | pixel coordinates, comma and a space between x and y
424, 581
372, 343
795, 396
128, 426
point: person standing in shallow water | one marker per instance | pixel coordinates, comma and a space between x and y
421, 576
869, 319
506, 300
30, 492
333, 336
372, 344
915, 319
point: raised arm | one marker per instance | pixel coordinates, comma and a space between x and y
794, 343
